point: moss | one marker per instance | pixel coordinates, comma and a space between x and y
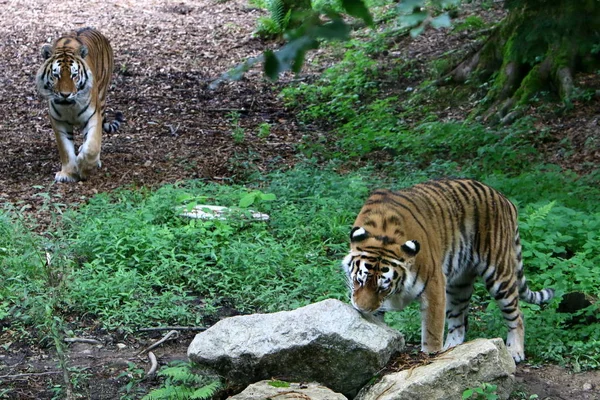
530, 86
563, 55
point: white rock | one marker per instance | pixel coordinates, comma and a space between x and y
265, 390
466, 366
328, 342
204, 211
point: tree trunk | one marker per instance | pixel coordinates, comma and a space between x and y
537, 47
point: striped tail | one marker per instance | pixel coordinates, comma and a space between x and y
529, 296
526, 294
113, 126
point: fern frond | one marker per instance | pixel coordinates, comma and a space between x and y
206, 392
181, 374
279, 13
541, 213
170, 393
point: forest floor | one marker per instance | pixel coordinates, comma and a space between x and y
166, 54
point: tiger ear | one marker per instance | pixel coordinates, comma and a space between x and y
83, 51
411, 247
358, 234
46, 51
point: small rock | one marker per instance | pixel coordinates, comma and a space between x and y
121, 346
588, 386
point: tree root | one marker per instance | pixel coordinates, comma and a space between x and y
153, 364
516, 83
161, 341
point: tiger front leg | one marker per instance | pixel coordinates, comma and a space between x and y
89, 152
66, 152
458, 297
433, 313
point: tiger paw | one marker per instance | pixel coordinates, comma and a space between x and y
62, 176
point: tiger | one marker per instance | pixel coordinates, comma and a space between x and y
430, 242
74, 79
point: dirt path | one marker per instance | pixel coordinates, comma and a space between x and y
166, 53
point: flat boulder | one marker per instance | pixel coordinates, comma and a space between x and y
282, 390
468, 365
327, 342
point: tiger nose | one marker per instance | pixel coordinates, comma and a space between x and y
65, 95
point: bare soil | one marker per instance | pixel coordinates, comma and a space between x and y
166, 54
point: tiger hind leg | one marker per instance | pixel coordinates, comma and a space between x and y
506, 293
458, 298
89, 152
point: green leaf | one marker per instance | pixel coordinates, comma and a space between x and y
357, 9
441, 21
268, 197
336, 29
272, 66
409, 6
247, 200
417, 31
412, 19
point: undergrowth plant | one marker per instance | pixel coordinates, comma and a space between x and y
486, 391
182, 382
135, 261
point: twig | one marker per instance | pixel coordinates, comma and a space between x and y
173, 328
82, 340
173, 130
153, 364
240, 110
161, 341
25, 375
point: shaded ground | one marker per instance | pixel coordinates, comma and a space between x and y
166, 53
176, 128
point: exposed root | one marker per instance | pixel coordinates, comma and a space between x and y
153, 364
161, 341
564, 76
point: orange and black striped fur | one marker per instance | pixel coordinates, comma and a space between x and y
430, 242
74, 79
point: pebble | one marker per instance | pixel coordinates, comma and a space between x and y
121, 346
587, 386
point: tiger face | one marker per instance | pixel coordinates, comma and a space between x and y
377, 267
65, 77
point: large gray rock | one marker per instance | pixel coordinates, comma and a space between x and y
328, 342
466, 366
265, 390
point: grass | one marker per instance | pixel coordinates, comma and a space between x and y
129, 260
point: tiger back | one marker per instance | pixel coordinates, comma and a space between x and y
429, 243
74, 79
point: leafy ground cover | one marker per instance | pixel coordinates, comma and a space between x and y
126, 260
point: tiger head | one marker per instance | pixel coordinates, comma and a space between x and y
376, 268
64, 76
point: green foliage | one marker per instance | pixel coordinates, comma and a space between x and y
341, 90
304, 30
237, 132
134, 376
136, 262
279, 384
255, 197
486, 392
471, 22
183, 383
264, 130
